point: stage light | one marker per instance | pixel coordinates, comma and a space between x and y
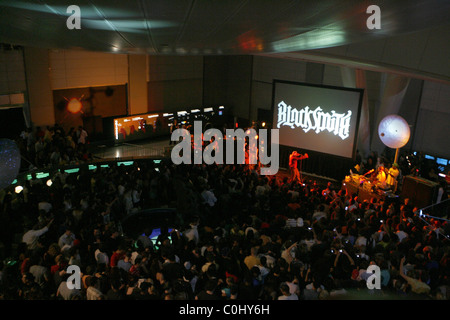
74, 105
18, 189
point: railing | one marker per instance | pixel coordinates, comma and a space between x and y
48, 172
437, 211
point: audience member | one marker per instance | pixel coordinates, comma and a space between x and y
236, 235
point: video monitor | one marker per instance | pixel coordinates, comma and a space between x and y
141, 126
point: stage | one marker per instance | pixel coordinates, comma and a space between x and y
150, 148
160, 148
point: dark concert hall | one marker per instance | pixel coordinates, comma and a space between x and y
241, 152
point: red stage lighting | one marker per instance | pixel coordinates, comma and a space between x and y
74, 105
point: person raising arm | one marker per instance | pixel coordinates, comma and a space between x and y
417, 286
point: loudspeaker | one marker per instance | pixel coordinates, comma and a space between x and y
420, 192
93, 125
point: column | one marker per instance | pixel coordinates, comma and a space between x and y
40, 95
137, 84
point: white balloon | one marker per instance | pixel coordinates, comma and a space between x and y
394, 131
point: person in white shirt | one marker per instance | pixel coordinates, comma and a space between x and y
92, 292
309, 240
31, 237
66, 238
269, 260
64, 292
285, 294
82, 135
320, 213
100, 256
361, 241
293, 285
262, 266
192, 234
40, 273
401, 234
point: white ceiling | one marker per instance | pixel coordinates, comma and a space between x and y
413, 39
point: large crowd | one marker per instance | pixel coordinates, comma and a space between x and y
237, 235
53, 146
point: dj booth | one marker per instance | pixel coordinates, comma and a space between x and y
366, 189
420, 192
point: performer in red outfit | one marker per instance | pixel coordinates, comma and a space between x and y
293, 159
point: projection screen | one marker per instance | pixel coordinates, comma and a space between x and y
318, 118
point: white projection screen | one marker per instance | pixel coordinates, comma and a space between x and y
318, 118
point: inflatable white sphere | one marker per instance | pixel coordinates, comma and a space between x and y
394, 131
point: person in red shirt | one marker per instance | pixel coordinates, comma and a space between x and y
293, 159
119, 254
60, 264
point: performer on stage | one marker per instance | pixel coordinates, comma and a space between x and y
381, 175
392, 175
293, 159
